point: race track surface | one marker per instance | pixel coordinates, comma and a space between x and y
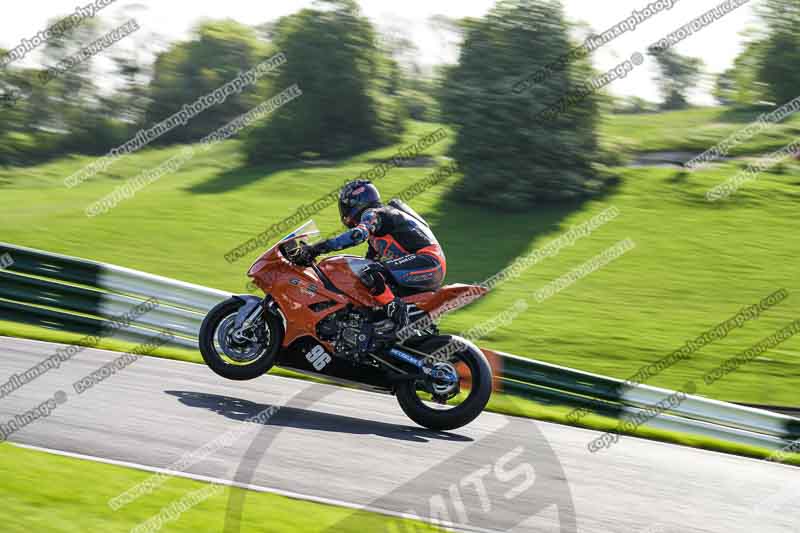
498, 473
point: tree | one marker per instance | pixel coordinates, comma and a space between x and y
415, 88
60, 102
511, 153
449, 34
218, 51
396, 41
133, 65
781, 50
61, 114
632, 105
16, 140
725, 87
677, 74
739, 85
347, 106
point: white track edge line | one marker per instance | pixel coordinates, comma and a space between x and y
255, 488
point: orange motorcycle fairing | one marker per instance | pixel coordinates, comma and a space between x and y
308, 294
448, 298
300, 293
343, 272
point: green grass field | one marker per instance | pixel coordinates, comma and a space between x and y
75, 499
696, 130
695, 264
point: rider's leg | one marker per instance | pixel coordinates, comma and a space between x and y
374, 277
419, 272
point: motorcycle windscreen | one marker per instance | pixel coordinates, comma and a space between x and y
309, 232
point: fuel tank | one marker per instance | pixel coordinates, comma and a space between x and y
343, 272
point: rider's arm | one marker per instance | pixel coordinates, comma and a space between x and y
369, 224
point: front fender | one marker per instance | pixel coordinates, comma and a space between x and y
253, 302
249, 310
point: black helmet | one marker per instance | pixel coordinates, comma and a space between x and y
354, 198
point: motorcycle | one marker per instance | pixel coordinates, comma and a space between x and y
320, 320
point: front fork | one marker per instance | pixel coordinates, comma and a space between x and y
246, 317
251, 312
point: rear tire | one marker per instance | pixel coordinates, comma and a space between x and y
215, 360
460, 415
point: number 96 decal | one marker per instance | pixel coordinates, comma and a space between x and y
318, 358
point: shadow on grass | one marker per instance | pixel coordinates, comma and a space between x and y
682, 176
245, 174
480, 241
242, 176
742, 115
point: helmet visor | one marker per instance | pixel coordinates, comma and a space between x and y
344, 214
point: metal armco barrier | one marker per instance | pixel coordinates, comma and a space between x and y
62, 292
111, 278
38, 288
87, 301
604, 395
49, 319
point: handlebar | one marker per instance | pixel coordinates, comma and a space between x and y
291, 251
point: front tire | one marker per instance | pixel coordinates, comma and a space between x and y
462, 414
238, 361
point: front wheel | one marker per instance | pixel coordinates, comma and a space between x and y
239, 355
441, 404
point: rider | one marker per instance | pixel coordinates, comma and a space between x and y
400, 241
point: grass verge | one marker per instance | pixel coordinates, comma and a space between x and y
48, 492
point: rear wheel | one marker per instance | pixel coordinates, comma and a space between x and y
239, 355
457, 390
